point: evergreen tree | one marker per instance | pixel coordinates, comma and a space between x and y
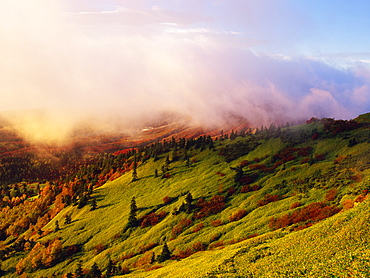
67, 219
94, 272
188, 203
110, 268
165, 255
82, 201
134, 170
79, 273
188, 162
56, 226
94, 205
132, 219
239, 174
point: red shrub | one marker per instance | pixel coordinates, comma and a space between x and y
249, 188
127, 256
238, 215
99, 248
215, 205
216, 223
220, 174
152, 219
154, 267
198, 227
320, 156
295, 205
182, 254
331, 194
360, 198
253, 235
216, 244
261, 167
215, 237
166, 200
348, 204
244, 163
247, 179
305, 160
149, 246
257, 159
231, 191
268, 199
199, 246
176, 230
314, 212
277, 164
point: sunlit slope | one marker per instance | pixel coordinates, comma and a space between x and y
328, 171
336, 247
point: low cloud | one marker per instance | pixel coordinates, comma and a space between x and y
152, 60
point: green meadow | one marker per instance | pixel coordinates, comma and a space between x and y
298, 209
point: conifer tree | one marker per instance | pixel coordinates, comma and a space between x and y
132, 219
94, 272
165, 255
82, 201
239, 174
79, 273
134, 169
94, 205
56, 226
188, 202
67, 219
110, 268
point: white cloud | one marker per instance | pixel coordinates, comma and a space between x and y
128, 63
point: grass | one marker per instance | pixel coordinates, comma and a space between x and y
338, 244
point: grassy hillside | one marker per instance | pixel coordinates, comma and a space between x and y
285, 202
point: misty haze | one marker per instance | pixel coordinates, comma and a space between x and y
187, 138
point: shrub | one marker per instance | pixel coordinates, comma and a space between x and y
248, 179
176, 230
216, 244
182, 254
215, 237
295, 205
348, 204
360, 198
198, 227
268, 199
152, 219
149, 246
244, 163
99, 248
199, 246
249, 188
238, 215
313, 213
215, 205
305, 160
231, 191
154, 267
166, 200
320, 156
331, 194
216, 223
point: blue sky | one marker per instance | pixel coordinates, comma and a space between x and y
262, 60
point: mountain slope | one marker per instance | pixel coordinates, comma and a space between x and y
272, 204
